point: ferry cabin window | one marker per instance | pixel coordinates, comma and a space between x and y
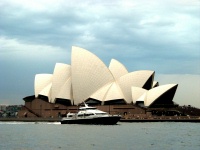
87, 108
101, 113
91, 108
81, 115
89, 114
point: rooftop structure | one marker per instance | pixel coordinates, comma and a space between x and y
89, 80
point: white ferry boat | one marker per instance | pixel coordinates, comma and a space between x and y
90, 115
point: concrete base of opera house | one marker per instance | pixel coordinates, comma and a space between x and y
38, 110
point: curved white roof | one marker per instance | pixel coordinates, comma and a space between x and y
108, 92
100, 94
47, 91
62, 73
117, 69
137, 79
89, 77
89, 74
66, 90
41, 81
142, 97
137, 93
156, 92
113, 93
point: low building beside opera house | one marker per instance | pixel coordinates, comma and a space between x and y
88, 79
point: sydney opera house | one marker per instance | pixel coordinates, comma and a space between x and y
87, 79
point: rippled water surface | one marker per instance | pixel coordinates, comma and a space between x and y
124, 136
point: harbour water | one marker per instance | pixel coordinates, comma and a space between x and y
123, 136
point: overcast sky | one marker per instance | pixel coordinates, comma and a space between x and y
163, 36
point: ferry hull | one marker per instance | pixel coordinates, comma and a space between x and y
110, 120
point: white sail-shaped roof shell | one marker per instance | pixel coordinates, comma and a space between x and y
47, 91
137, 79
62, 73
137, 93
108, 92
142, 97
113, 93
89, 77
89, 74
100, 94
117, 69
156, 92
66, 90
41, 81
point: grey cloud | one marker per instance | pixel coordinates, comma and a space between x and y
154, 35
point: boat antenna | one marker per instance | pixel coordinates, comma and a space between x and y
85, 104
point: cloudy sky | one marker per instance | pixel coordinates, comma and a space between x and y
163, 36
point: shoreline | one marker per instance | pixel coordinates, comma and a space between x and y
197, 120
31, 119
160, 120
